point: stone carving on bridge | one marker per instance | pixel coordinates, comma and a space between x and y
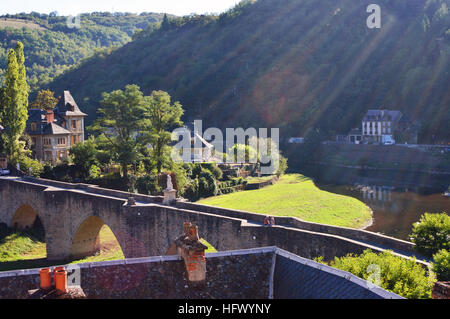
170, 194
189, 246
169, 183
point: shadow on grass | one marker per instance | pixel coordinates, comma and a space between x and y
28, 264
302, 178
36, 234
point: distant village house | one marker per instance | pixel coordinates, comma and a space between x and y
383, 127
53, 132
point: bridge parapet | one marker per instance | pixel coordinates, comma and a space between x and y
149, 228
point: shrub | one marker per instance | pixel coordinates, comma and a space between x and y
32, 166
94, 171
84, 155
399, 275
112, 181
62, 172
47, 172
283, 166
431, 233
206, 184
441, 265
148, 185
191, 192
217, 172
180, 178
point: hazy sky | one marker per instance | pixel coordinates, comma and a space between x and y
73, 7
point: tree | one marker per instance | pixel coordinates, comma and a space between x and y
431, 233
163, 116
121, 120
45, 100
165, 24
84, 155
15, 103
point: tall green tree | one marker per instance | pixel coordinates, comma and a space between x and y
165, 24
163, 116
15, 103
84, 155
121, 120
24, 88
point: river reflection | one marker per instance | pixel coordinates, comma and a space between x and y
394, 209
397, 199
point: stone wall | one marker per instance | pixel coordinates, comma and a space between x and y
95, 189
259, 185
148, 229
231, 275
262, 273
351, 233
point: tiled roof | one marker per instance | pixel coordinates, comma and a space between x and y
54, 129
383, 115
68, 106
300, 278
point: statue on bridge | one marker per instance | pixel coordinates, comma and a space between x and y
170, 194
169, 183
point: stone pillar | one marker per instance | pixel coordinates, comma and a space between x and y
170, 195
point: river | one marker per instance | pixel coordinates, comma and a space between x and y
397, 199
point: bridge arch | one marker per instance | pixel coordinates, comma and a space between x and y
86, 240
25, 217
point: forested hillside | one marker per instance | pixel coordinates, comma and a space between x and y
52, 46
293, 64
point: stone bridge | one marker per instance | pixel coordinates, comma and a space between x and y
73, 214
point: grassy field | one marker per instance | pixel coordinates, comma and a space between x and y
19, 24
296, 195
25, 250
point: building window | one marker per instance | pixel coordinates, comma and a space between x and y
48, 156
74, 124
61, 154
33, 126
75, 139
47, 141
61, 141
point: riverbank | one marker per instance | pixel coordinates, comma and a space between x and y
296, 195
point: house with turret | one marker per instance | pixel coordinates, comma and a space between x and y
53, 132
